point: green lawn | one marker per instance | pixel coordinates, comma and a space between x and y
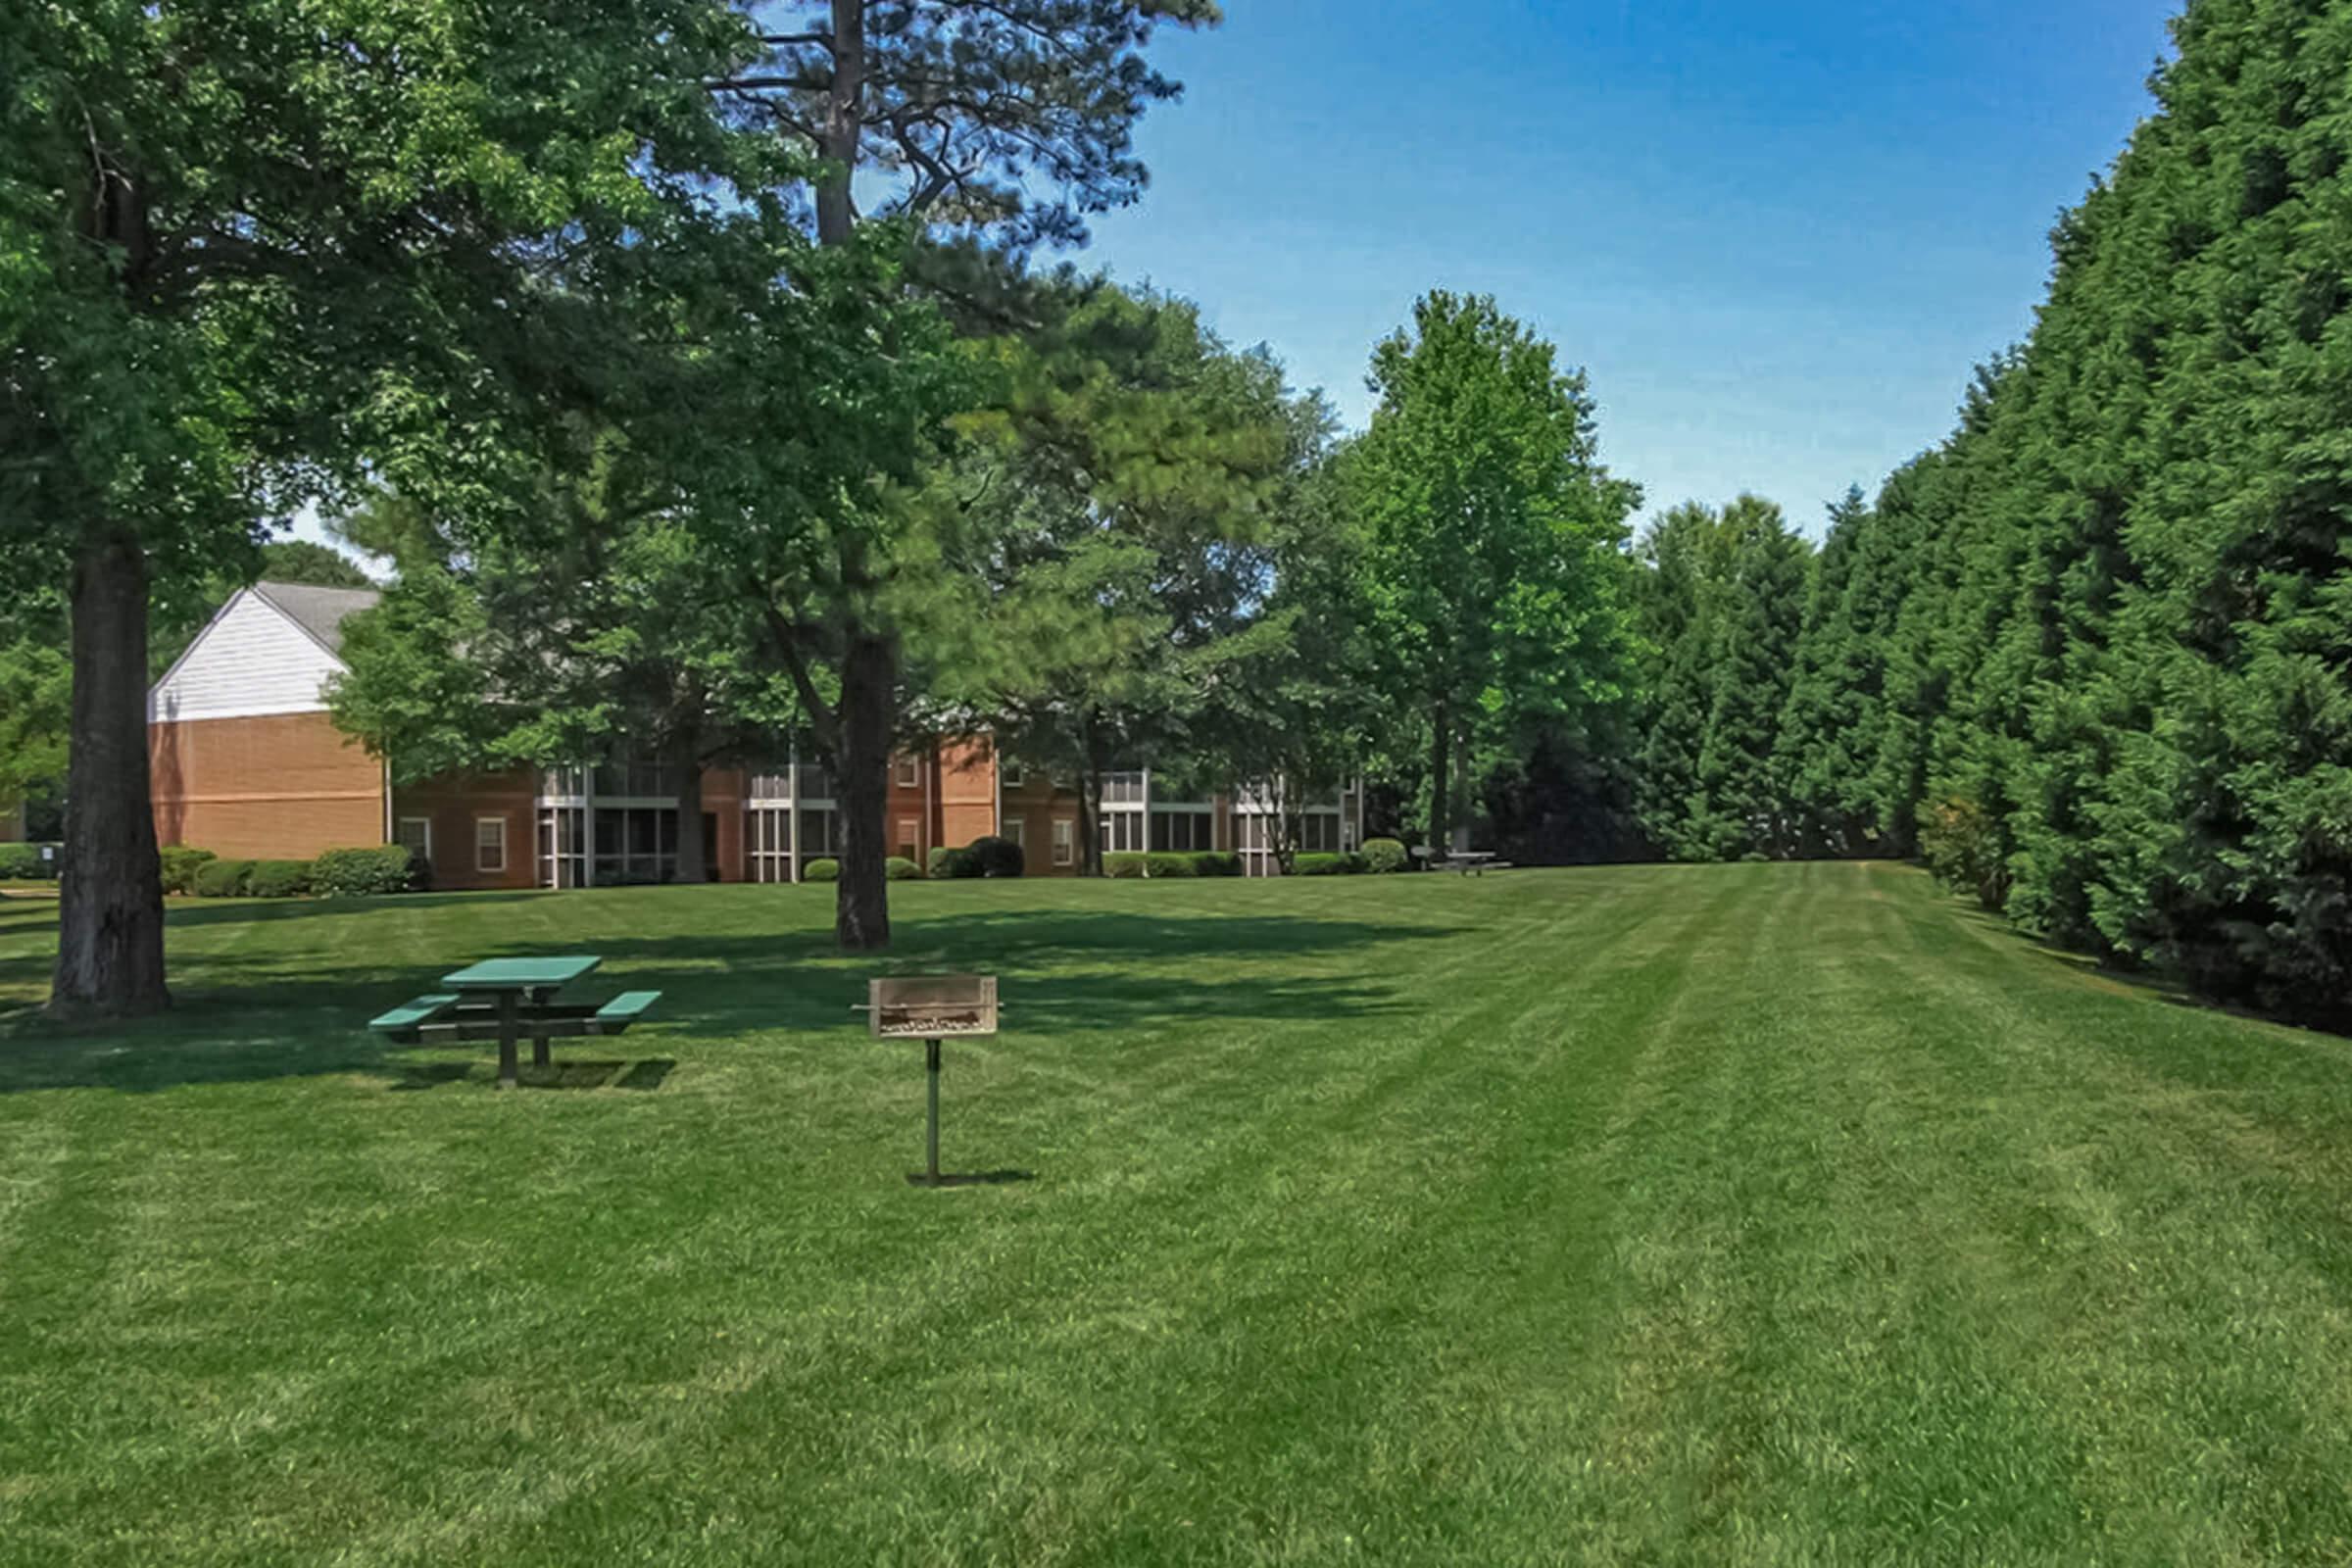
1749, 1214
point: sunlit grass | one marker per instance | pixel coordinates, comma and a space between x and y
1740, 1214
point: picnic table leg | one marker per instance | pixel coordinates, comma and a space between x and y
509, 1072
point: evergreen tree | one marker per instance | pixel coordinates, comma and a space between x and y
1739, 807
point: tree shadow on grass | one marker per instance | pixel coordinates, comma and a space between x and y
1063, 973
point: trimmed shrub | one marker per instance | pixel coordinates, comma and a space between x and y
279, 879
224, 879
1320, 864
954, 865
899, 868
999, 856
364, 873
1962, 844
180, 865
1166, 862
1128, 866
824, 870
22, 863
1384, 856
1216, 862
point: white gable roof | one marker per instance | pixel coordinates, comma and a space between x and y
256, 658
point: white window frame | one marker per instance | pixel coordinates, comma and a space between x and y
424, 822
1016, 830
910, 829
480, 822
1065, 841
910, 774
1013, 776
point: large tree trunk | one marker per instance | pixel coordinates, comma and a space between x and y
110, 955
1440, 779
867, 706
845, 124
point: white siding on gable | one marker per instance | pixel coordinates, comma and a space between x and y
250, 661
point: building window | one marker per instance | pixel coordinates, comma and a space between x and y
767, 844
415, 835
1015, 832
635, 845
562, 846
1183, 831
1122, 831
1123, 789
1065, 841
907, 777
1319, 832
1013, 774
816, 832
489, 844
909, 843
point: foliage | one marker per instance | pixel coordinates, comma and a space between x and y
180, 865
1166, 864
1108, 518
1126, 865
1323, 864
253, 254
1216, 862
998, 857
2088, 654
954, 864
278, 879
368, 872
1963, 849
1494, 538
1385, 855
897, 868
25, 862
224, 879
1006, 121
826, 869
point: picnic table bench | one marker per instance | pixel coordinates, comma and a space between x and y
504, 999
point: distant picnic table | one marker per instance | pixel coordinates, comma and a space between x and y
1468, 862
504, 999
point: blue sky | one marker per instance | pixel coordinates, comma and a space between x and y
1777, 232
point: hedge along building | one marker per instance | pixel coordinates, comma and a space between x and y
247, 762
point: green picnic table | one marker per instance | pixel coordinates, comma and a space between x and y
505, 997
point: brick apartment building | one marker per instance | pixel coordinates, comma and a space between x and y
247, 762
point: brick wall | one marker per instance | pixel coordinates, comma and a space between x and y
455, 805
280, 786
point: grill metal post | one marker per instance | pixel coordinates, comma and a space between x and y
931, 1126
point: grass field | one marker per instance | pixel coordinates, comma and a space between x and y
1754, 1214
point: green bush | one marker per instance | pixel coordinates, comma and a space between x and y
279, 879
1168, 862
1962, 844
22, 863
1384, 856
1126, 864
899, 868
365, 874
1321, 864
824, 870
224, 879
955, 864
999, 856
180, 865
1216, 862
